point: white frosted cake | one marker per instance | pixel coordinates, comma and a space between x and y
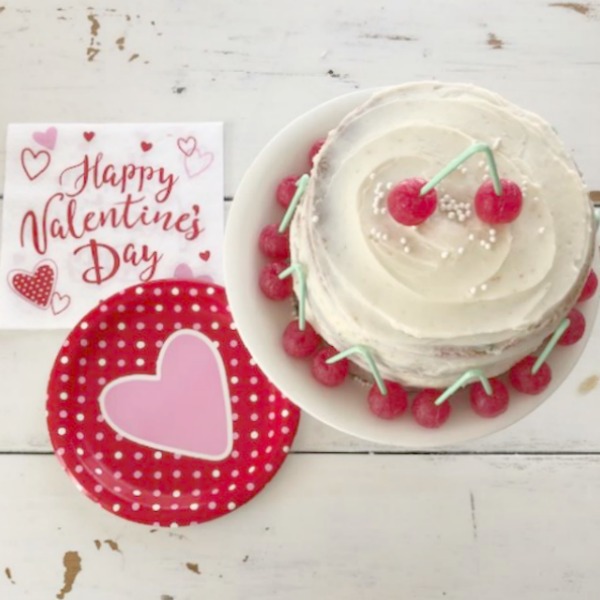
453, 293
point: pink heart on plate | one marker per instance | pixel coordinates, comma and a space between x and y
46, 138
184, 408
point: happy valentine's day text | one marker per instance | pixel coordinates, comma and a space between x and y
64, 216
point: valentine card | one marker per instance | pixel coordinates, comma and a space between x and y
90, 209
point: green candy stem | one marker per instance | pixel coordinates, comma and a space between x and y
459, 160
463, 380
291, 209
297, 271
564, 325
368, 356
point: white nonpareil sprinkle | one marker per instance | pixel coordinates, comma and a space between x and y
315, 219
407, 249
460, 250
483, 287
388, 185
471, 237
485, 176
536, 199
492, 231
403, 240
384, 237
383, 211
487, 246
445, 254
541, 230
373, 231
481, 163
452, 215
472, 291
461, 217
482, 242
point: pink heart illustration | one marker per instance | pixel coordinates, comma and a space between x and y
184, 408
187, 145
184, 271
198, 162
46, 138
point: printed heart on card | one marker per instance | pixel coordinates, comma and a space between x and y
59, 302
183, 408
34, 163
146, 146
46, 138
89, 135
187, 145
198, 162
184, 271
204, 255
37, 286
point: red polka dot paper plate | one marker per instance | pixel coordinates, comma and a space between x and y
158, 411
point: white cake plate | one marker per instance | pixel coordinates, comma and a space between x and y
261, 321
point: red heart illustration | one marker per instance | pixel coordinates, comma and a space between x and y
205, 255
184, 408
88, 135
187, 145
145, 146
35, 287
46, 138
34, 163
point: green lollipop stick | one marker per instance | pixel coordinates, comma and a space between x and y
297, 271
368, 356
459, 160
463, 380
564, 325
291, 209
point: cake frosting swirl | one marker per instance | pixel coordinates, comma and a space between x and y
453, 293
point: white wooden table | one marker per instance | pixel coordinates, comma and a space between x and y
516, 515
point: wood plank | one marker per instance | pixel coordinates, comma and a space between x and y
257, 69
332, 526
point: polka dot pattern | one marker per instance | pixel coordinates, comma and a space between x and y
123, 336
36, 287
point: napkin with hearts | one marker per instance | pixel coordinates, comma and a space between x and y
90, 209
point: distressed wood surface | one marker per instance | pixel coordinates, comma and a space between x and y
337, 526
348, 525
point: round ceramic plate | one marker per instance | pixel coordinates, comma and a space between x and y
262, 321
159, 413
